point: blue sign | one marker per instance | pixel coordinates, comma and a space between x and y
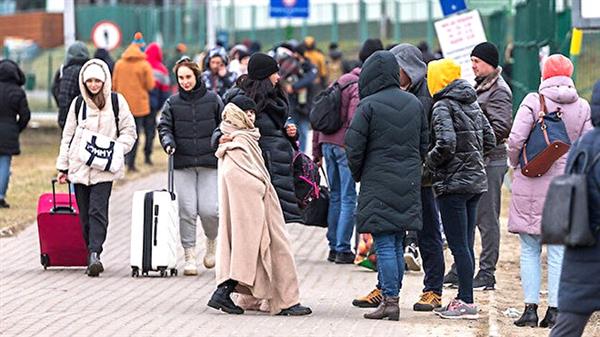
288, 9
452, 6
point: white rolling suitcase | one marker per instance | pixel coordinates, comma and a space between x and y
154, 230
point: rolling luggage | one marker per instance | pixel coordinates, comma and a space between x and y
59, 230
154, 230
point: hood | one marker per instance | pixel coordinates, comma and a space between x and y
410, 59
106, 89
380, 71
154, 53
133, 52
559, 89
10, 72
596, 105
440, 73
458, 90
77, 53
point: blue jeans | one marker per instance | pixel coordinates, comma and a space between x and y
459, 215
531, 269
342, 198
4, 174
430, 243
390, 262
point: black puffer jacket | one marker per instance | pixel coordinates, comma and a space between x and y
277, 151
385, 145
187, 123
462, 135
14, 112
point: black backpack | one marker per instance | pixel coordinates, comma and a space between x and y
114, 97
325, 114
55, 89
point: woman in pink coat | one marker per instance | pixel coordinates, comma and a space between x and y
528, 194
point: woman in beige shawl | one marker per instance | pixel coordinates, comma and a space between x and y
254, 255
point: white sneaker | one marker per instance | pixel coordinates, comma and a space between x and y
209, 255
412, 258
190, 262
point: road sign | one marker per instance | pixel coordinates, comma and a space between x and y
458, 35
289, 9
107, 35
586, 14
452, 6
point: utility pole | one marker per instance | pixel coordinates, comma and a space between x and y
69, 23
211, 22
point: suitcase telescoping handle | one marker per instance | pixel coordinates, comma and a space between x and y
170, 182
59, 209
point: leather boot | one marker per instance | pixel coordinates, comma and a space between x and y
529, 317
95, 266
550, 318
221, 299
387, 309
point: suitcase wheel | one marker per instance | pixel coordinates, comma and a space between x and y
174, 272
45, 260
135, 272
163, 273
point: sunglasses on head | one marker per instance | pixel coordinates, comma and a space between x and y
183, 59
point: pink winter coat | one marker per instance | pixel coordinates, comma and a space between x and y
528, 194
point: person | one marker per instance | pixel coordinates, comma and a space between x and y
428, 56
238, 56
388, 120
68, 79
256, 256
462, 136
579, 294
92, 186
133, 79
331, 150
104, 55
495, 99
185, 129
528, 194
335, 63
158, 96
317, 58
217, 78
277, 135
14, 116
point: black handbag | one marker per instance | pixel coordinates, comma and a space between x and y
565, 218
317, 210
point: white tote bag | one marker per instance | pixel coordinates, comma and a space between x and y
101, 152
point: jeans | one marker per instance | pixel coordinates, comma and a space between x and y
390, 262
342, 198
459, 213
148, 125
569, 324
93, 212
303, 126
531, 269
429, 240
4, 174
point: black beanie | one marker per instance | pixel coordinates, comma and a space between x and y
244, 102
487, 52
369, 47
261, 66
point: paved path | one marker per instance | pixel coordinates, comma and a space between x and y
64, 302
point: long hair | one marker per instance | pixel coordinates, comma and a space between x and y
261, 91
98, 98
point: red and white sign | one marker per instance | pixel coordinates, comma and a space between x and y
458, 35
107, 35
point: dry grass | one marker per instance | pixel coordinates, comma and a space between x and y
35, 167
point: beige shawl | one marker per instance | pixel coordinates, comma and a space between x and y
253, 247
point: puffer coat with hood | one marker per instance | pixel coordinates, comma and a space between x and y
68, 89
98, 121
14, 111
133, 79
461, 133
385, 145
162, 88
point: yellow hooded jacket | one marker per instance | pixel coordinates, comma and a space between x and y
440, 73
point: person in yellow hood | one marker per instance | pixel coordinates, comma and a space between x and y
316, 57
440, 73
132, 77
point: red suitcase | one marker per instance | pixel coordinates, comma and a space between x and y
59, 229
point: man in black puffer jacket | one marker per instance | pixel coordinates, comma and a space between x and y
385, 144
14, 116
185, 128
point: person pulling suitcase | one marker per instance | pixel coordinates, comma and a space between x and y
98, 132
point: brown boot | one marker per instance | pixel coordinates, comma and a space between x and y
387, 309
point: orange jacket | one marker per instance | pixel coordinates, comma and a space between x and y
132, 77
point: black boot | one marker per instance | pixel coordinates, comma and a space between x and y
95, 266
529, 317
221, 299
295, 310
550, 318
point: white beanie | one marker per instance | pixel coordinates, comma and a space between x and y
94, 70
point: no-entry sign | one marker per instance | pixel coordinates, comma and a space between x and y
107, 35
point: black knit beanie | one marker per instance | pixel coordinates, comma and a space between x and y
244, 102
261, 66
487, 52
369, 47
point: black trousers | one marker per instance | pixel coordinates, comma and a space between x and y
569, 324
147, 124
93, 212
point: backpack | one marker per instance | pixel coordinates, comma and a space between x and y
325, 114
306, 179
114, 97
55, 89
